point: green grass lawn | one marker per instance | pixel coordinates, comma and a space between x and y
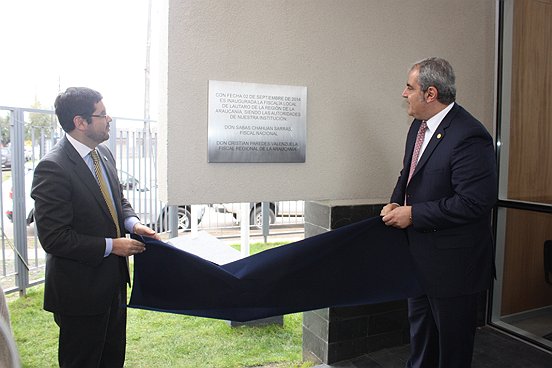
157, 339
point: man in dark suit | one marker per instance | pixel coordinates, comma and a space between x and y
81, 228
443, 198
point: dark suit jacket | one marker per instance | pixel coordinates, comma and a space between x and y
452, 193
72, 220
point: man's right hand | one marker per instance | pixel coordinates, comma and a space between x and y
125, 247
388, 208
397, 216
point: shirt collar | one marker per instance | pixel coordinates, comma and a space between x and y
81, 148
436, 119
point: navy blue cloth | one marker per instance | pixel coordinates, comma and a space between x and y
363, 263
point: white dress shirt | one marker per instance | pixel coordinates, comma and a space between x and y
432, 125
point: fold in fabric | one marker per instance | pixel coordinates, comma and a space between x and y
363, 263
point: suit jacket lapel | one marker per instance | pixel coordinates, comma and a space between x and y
84, 174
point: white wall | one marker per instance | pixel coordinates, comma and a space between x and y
352, 55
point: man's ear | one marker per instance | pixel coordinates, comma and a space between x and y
80, 122
431, 94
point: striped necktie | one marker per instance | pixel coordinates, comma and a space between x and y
104, 189
417, 147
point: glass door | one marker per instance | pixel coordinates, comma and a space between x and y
522, 293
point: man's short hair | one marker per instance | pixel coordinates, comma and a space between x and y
438, 73
75, 101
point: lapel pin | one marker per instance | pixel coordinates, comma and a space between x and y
439, 136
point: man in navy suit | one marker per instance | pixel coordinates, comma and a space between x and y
443, 198
82, 229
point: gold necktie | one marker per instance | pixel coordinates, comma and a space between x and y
104, 189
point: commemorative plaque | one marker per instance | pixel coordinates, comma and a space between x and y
249, 122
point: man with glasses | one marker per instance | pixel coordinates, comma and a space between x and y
81, 217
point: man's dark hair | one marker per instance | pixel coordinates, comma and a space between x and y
438, 73
75, 101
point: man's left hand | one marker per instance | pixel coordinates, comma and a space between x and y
141, 229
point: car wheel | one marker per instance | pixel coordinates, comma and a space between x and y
184, 219
256, 216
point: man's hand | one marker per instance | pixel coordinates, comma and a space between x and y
141, 229
388, 208
125, 247
397, 216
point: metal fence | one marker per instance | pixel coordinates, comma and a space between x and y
28, 134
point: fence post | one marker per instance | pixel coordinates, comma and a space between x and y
112, 142
193, 221
265, 207
244, 229
17, 133
173, 221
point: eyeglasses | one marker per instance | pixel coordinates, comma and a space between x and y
100, 116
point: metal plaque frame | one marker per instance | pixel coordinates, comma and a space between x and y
250, 122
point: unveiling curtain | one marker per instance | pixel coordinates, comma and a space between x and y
363, 263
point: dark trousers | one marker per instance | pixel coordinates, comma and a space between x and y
94, 341
442, 331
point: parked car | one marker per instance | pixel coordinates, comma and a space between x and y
29, 152
28, 200
276, 209
142, 198
5, 154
